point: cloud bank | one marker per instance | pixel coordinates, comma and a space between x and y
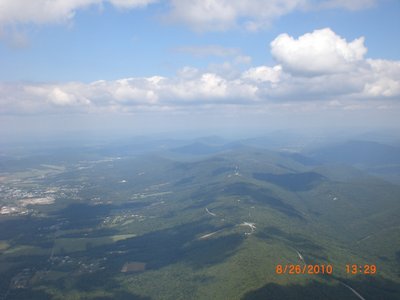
316, 67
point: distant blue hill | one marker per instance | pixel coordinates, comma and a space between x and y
358, 152
199, 148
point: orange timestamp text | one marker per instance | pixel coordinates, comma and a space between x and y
294, 269
366, 269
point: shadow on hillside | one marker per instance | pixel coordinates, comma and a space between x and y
370, 288
310, 250
168, 246
83, 215
273, 232
263, 196
292, 181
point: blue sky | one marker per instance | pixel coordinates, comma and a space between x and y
271, 63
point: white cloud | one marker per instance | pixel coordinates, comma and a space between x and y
205, 88
381, 78
131, 3
62, 95
203, 15
346, 80
59, 97
386, 87
387, 67
53, 11
132, 91
264, 74
191, 87
319, 52
217, 15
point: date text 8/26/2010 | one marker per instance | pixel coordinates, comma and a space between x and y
315, 269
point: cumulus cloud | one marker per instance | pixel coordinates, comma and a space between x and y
192, 87
321, 65
66, 95
264, 74
344, 79
213, 88
383, 78
319, 52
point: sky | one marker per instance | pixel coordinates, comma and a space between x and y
140, 66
